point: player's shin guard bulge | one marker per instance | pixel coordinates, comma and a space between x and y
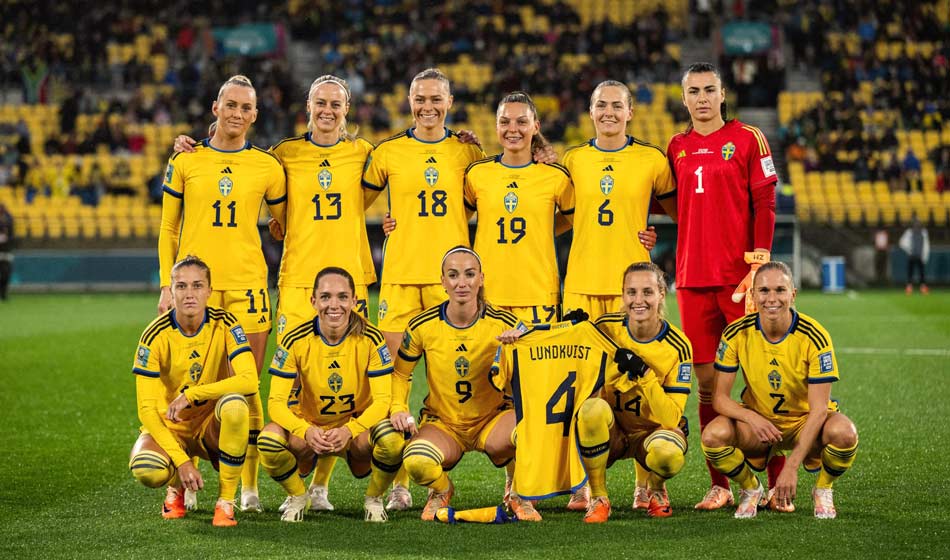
151, 469
388, 445
232, 413
280, 463
593, 432
666, 453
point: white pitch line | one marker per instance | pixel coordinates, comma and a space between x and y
940, 352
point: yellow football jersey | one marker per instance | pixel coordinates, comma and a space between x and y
211, 207
326, 220
458, 361
168, 363
658, 398
347, 383
551, 372
613, 190
515, 236
425, 199
777, 375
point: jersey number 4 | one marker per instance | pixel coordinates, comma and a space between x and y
566, 392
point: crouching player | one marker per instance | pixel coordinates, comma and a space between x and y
788, 364
644, 420
189, 403
344, 371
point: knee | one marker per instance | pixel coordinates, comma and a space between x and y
269, 445
151, 469
594, 414
388, 444
420, 459
718, 433
841, 432
232, 409
666, 453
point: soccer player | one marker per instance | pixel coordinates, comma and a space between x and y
516, 199
343, 369
725, 200
788, 365
189, 403
462, 411
210, 209
615, 175
645, 420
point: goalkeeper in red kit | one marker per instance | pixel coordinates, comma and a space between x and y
725, 198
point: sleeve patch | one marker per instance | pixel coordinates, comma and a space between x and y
238, 334
384, 354
280, 358
521, 327
685, 373
768, 168
826, 363
141, 355
721, 352
406, 340
169, 171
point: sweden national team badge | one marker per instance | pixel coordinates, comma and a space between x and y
461, 366
281, 323
225, 185
169, 171
325, 178
195, 372
431, 175
728, 150
511, 202
335, 382
141, 355
606, 184
775, 379
383, 308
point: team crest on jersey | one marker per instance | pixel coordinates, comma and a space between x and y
728, 150
775, 379
195, 372
335, 382
225, 185
431, 175
685, 373
606, 184
384, 354
280, 356
141, 355
381, 312
281, 323
826, 363
511, 202
325, 178
461, 366
169, 171
238, 334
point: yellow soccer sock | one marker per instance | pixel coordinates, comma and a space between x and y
593, 433
731, 462
666, 454
152, 469
423, 462
232, 413
642, 475
280, 463
402, 477
388, 445
256, 422
835, 461
325, 466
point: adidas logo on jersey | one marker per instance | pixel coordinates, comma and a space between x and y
461, 348
609, 168
325, 163
226, 170
194, 355
513, 185
774, 362
431, 160
334, 365
262, 320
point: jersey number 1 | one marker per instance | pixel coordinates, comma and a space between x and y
699, 180
217, 214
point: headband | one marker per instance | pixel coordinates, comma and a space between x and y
462, 250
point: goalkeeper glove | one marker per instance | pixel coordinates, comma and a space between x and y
576, 316
754, 259
628, 362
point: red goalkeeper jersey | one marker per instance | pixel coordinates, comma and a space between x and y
725, 202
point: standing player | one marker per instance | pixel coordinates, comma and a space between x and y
462, 411
189, 403
644, 420
516, 199
725, 201
615, 175
210, 209
343, 369
788, 365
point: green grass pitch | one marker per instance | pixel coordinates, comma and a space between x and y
68, 407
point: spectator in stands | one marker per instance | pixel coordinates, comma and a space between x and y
911, 169
6, 250
916, 243
894, 173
